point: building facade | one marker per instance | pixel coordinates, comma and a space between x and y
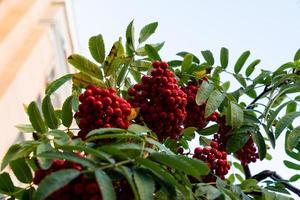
36, 36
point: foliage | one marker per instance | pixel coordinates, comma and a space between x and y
136, 160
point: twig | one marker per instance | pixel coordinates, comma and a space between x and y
247, 171
273, 175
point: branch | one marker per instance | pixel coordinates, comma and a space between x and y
266, 89
247, 171
273, 175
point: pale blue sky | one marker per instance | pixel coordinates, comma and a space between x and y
270, 29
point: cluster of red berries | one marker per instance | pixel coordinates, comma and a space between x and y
101, 108
215, 159
162, 103
247, 154
82, 187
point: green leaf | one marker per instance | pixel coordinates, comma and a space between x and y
297, 55
144, 183
239, 167
181, 163
209, 192
67, 114
130, 36
83, 80
235, 115
44, 163
209, 130
236, 142
21, 170
274, 114
53, 86
127, 173
142, 52
97, 48
138, 129
241, 61
187, 62
35, 118
214, 101
151, 52
159, 145
6, 184
260, 143
226, 85
105, 185
25, 128
284, 122
204, 141
122, 75
114, 59
208, 56
249, 185
241, 80
294, 178
291, 107
251, 67
84, 65
54, 181
293, 138
184, 53
49, 113
147, 31
204, 92
105, 130
224, 57
14, 149
291, 165
189, 132
67, 156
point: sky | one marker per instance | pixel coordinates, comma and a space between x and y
270, 29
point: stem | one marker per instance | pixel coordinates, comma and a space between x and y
247, 171
273, 175
116, 164
266, 90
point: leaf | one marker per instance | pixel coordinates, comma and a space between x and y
147, 31
274, 114
14, 149
6, 184
214, 101
54, 181
159, 145
239, 167
260, 143
189, 132
179, 162
184, 53
44, 163
105, 185
67, 114
294, 178
83, 80
151, 52
127, 173
293, 138
241, 80
138, 129
236, 142
25, 128
297, 55
224, 57
157, 46
122, 74
53, 86
49, 114
291, 107
21, 170
144, 183
105, 130
235, 115
249, 185
251, 67
209, 130
35, 118
97, 48
284, 122
187, 62
204, 92
208, 56
130, 36
67, 156
84, 65
291, 165
114, 59
241, 61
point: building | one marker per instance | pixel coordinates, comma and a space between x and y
36, 36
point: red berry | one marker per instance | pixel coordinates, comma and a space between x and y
156, 64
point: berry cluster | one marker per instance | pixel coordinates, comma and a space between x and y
82, 187
162, 103
247, 154
101, 108
215, 159
195, 113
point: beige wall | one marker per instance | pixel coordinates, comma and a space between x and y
35, 39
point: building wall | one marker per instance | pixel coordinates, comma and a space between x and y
35, 39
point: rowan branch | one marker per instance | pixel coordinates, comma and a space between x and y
274, 176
